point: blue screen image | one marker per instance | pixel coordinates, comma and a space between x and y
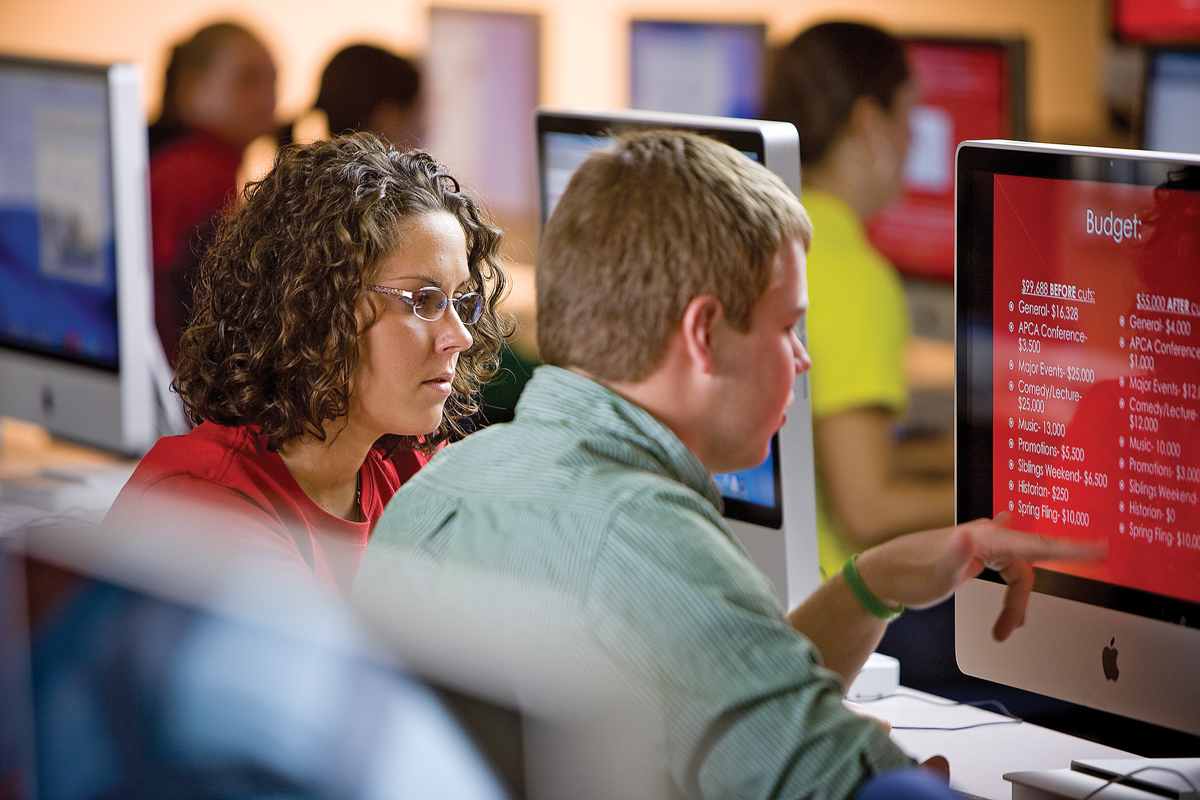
697, 67
58, 291
755, 485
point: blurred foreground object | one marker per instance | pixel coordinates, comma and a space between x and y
159, 668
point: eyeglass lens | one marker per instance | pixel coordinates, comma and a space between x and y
429, 304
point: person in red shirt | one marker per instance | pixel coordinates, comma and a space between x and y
346, 315
218, 97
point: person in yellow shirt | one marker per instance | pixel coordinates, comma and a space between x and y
847, 89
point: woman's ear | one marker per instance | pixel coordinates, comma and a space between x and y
700, 317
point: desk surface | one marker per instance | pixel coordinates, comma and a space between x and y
26, 449
987, 746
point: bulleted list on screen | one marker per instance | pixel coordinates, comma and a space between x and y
1096, 379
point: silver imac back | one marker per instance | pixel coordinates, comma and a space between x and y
1078, 414
772, 507
78, 350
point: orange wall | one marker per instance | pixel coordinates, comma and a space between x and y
584, 41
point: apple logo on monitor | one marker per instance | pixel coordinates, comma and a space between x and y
1109, 659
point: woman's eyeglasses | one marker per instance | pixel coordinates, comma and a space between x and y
430, 303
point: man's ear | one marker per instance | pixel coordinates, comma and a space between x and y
699, 319
185, 97
867, 124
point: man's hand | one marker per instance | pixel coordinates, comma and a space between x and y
854, 708
921, 569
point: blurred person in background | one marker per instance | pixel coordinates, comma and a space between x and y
366, 88
345, 315
218, 97
848, 90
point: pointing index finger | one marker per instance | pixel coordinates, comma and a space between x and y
1000, 545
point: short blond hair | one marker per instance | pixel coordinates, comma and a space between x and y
645, 227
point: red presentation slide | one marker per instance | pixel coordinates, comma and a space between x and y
1167, 21
963, 95
1096, 392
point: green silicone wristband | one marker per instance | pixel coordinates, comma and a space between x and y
865, 596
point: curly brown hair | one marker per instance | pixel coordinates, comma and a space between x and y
274, 338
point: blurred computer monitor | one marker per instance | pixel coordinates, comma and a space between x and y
1078, 414
1172, 109
771, 507
967, 89
711, 68
1161, 21
481, 88
78, 353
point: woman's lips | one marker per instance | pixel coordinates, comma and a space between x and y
441, 383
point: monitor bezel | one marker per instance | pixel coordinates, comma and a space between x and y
112, 408
976, 163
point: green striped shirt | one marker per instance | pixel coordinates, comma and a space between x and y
588, 495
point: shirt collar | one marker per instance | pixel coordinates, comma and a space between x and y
834, 212
558, 396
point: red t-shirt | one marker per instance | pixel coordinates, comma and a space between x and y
222, 483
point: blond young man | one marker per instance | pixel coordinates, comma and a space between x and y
670, 279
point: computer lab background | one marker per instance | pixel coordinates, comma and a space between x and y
1084, 83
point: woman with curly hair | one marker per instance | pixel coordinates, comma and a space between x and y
345, 317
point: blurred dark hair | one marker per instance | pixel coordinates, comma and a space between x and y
358, 79
274, 341
189, 59
824, 71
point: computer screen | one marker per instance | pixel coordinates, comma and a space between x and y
59, 280
481, 73
778, 494
75, 315
1172, 111
967, 89
1165, 21
1078, 405
711, 68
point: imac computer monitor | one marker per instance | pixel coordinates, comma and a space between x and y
711, 68
1078, 415
76, 327
1172, 113
771, 507
967, 89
